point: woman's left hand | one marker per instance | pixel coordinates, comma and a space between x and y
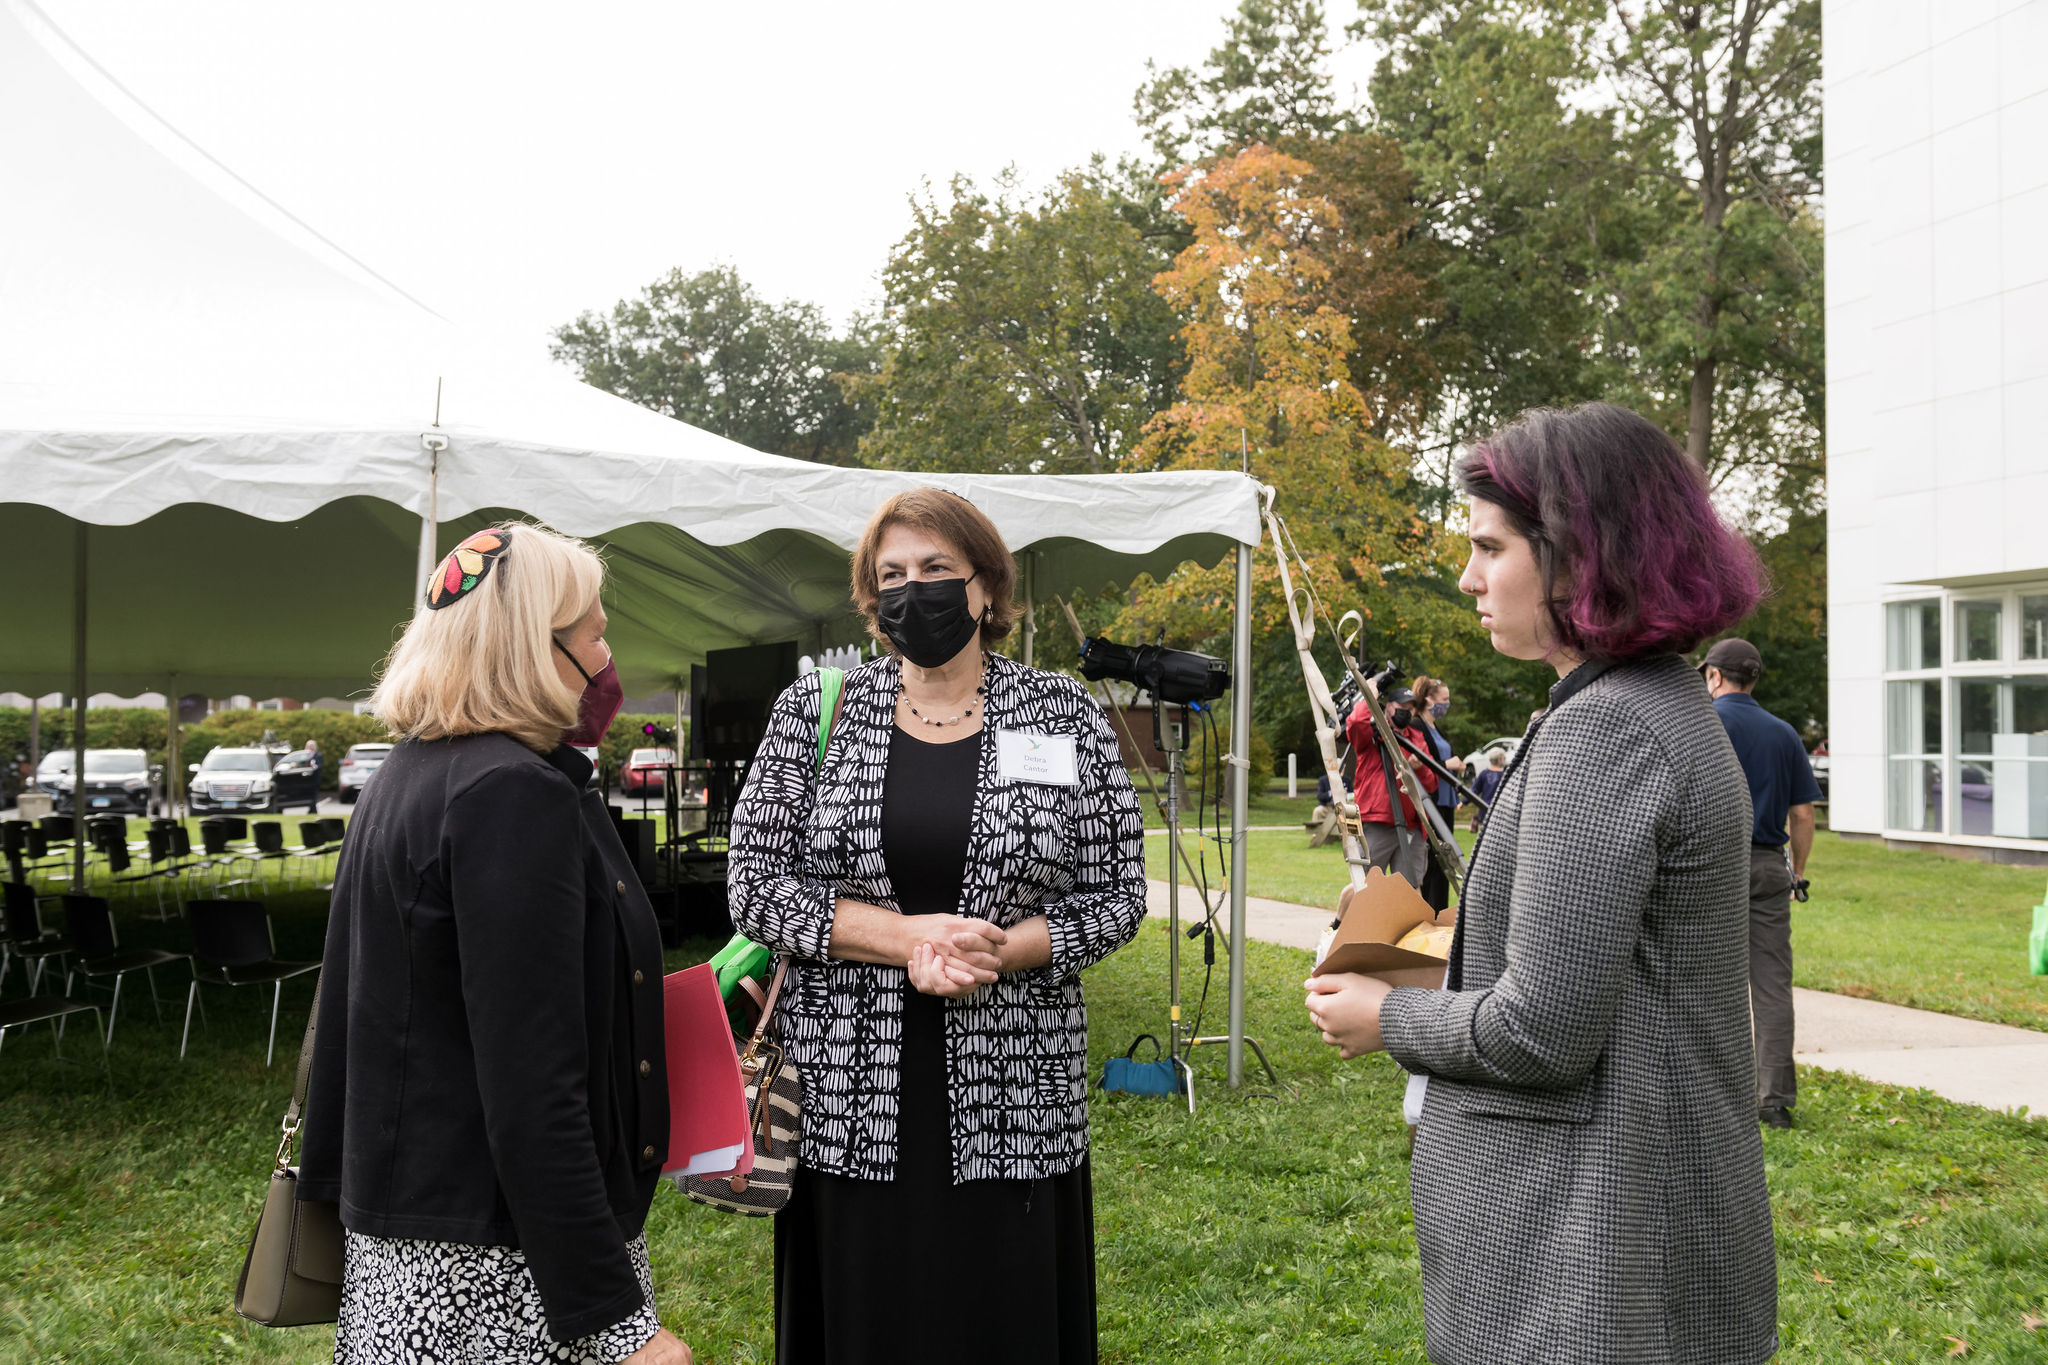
1345, 1007
934, 973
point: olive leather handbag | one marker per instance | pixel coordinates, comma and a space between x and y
292, 1274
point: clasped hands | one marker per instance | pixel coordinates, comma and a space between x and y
953, 956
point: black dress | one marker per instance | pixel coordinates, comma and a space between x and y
854, 1258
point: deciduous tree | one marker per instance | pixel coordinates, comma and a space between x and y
707, 349
1023, 332
1269, 386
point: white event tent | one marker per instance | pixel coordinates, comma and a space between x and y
229, 451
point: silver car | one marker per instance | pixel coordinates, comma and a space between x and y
357, 764
116, 780
232, 780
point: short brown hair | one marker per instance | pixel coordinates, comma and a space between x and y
960, 524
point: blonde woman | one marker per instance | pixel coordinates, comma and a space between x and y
488, 1100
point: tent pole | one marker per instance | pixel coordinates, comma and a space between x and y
1240, 799
1030, 614
433, 442
171, 769
78, 716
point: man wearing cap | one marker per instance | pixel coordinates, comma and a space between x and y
1396, 847
1783, 792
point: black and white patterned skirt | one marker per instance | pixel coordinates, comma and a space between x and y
406, 1302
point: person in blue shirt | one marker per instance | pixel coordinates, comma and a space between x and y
1487, 783
1783, 791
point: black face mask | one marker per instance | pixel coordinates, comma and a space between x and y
1402, 718
928, 621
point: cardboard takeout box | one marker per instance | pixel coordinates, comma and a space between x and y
1372, 920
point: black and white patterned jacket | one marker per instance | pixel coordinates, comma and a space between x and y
1016, 1050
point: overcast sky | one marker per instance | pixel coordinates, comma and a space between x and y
513, 164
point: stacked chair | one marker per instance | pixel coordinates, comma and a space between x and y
231, 941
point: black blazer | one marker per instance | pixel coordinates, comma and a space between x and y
489, 1067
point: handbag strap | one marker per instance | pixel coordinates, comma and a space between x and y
767, 1010
831, 696
293, 1114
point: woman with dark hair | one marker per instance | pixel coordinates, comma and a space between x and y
1588, 1177
970, 843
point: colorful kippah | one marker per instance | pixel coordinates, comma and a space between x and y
467, 565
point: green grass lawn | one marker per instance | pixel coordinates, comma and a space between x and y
1916, 929
1270, 1230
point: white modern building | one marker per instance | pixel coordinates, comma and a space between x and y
1937, 311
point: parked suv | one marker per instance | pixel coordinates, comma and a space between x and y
356, 766
233, 779
117, 781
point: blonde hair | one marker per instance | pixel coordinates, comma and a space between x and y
485, 662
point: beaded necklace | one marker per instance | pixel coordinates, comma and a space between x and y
980, 694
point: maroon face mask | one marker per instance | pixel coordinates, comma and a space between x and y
603, 695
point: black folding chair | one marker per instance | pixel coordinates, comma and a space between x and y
312, 844
216, 837
14, 847
26, 938
103, 831
164, 865
97, 955
237, 826
232, 945
269, 839
56, 1010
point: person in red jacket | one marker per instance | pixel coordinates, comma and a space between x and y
1405, 850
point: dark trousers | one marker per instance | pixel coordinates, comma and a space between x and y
1770, 977
1404, 852
1436, 882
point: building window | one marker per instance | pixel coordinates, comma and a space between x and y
1916, 752
1966, 747
2002, 757
1977, 629
1914, 635
2034, 625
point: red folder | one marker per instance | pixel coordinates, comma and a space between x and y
707, 1102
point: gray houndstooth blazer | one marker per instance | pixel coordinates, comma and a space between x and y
1588, 1177
1016, 1050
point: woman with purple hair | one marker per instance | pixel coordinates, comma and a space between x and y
1588, 1177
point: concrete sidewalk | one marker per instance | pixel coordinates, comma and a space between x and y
1991, 1065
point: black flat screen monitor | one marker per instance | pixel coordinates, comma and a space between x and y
730, 698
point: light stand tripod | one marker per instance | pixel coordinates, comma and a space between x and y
1169, 733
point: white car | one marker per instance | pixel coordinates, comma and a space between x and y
1478, 760
233, 779
356, 766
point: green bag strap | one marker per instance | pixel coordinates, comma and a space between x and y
741, 956
831, 684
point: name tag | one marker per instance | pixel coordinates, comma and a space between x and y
1025, 757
